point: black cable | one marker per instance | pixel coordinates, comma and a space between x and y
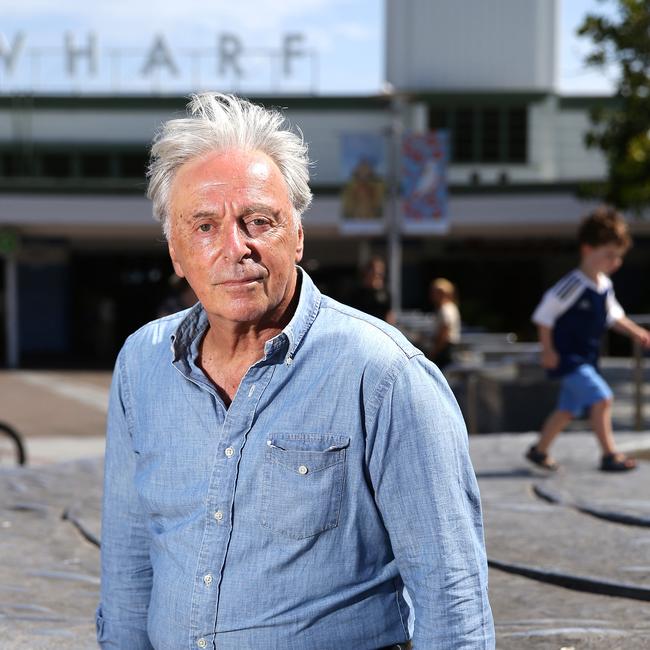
554, 497
87, 535
577, 583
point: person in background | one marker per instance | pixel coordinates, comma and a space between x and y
372, 296
446, 335
571, 319
180, 297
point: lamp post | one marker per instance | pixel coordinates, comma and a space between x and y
395, 216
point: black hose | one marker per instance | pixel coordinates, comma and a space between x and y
21, 454
577, 583
554, 497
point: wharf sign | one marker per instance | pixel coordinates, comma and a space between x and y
290, 65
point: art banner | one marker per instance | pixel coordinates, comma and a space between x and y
424, 182
363, 169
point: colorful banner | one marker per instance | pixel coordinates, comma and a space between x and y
424, 182
363, 199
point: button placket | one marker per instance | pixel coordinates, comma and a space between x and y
223, 486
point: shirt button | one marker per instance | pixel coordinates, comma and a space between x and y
202, 643
218, 515
302, 470
229, 451
207, 580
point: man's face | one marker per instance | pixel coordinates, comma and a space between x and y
232, 235
606, 258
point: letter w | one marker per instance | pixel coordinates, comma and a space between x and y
9, 54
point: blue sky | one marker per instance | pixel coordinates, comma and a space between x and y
573, 76
339, 45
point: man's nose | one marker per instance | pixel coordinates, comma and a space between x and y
235, 243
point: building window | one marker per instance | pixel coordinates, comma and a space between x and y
133, 165
517, 135
93, 165
55, 165
491, 135
484, 134
438, 118
13, 165
463, 135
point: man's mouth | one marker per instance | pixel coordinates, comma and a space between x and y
240, 282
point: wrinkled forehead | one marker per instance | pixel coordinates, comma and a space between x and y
231, 176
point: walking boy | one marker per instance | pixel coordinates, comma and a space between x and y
571, 319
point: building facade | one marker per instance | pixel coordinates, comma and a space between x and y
83, 263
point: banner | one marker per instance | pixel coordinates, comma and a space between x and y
424, 182
363, 167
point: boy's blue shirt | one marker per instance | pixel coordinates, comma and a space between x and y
579, 311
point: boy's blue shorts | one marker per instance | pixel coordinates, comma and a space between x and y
581, 389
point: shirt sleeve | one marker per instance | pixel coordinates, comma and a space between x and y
549, 309
426, 491
445, 316
126, 567
614, 310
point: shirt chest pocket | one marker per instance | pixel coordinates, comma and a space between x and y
303, 483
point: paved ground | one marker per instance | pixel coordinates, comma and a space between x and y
61, 414
49, 572
523, 529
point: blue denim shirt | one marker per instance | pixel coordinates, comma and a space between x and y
292, 519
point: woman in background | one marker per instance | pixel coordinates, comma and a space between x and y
447, 332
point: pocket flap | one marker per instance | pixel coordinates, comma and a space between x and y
308, 442
306, 453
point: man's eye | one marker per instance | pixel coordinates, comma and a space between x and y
205, 227
257, 223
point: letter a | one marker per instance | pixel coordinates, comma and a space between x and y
159, 56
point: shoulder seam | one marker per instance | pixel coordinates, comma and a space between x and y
565, 287
126, 388
416, 352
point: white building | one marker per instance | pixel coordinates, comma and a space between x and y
84, 263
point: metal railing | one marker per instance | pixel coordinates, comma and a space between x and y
484, 350
639, 420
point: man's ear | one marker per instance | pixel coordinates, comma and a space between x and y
178, 268
300, 245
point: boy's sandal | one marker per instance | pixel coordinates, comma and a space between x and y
541, 459
616, 463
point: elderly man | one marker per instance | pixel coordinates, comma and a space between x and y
278, 466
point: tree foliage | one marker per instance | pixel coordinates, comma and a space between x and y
622, 128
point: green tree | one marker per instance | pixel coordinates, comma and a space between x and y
622, 127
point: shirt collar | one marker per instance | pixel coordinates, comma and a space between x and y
602, 285
304, 316
187, 336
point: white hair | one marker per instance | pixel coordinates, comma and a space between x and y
217, 122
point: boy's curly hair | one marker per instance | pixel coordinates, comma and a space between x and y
605, 225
